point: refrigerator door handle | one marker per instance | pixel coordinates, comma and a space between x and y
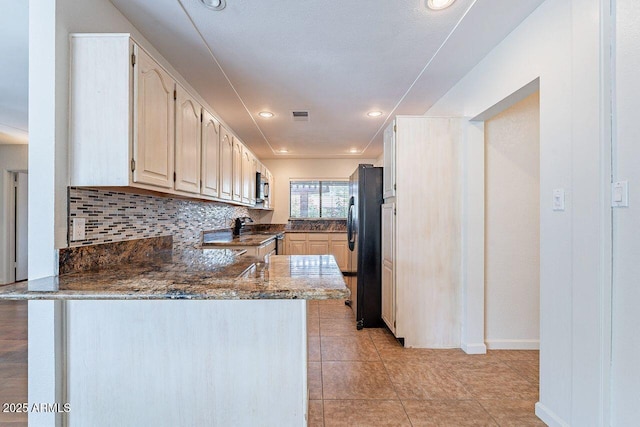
350, 233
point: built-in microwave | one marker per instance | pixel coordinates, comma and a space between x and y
262, 188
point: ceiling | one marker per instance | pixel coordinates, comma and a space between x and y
14, 71
336, 59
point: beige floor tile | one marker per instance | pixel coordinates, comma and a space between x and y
314, 380
449, 413
422, 380
313, 327
494, 380
313, 311
356, 347
333, 311
316, 413
313, 347
356, 380
516, 354
527, 369
335, 302
339, 327
364, 413
512, 413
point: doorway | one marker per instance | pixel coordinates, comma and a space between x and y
512, 227
20, 225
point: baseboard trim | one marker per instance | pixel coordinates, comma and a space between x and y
474, 348
548, 417
513, 344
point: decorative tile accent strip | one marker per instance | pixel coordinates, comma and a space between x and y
94, 257
113, 216
317, 225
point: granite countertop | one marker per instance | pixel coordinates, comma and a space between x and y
194, 274
316, 231
226, 238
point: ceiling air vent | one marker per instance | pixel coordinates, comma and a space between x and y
300, 116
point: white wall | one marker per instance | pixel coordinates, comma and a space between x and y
285, 169
12, 158
560, 44
512, 227
626, 226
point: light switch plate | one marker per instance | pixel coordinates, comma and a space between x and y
558, 199
620, 194
78, 229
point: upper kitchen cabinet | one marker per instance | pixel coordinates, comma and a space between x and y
211, 153
248, 177
154, 114
226, 164
389, 154
122, 114
237, 178
131, 124
189, 121
269, 193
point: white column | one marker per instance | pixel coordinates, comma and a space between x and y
44, 316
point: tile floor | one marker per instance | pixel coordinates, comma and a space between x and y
358, 378
366, 378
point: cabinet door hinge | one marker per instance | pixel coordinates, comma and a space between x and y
201, 117
175, 94
133, 165
394, 211
174, 177
133, 59
394, 186
395, 128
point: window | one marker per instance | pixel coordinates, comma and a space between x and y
319, 199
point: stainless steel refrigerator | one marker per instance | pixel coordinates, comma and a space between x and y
364, 231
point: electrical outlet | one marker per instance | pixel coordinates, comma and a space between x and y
78, 229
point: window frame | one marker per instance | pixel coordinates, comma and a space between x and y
319, 181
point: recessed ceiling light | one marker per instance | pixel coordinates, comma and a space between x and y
265, 114
214, 4
354, 150
439, 4
283, 150
374, 113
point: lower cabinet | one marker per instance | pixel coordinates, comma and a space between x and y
319, 244
388, 273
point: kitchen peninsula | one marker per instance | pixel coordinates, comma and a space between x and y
192, 337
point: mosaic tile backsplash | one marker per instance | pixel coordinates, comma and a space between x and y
113, 216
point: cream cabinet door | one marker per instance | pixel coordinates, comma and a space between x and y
226, 164
297, 248
269, 194
247, 174
389, 171
188, 141
236, 194
340, 250
388, 267
296, 243
318, 244
154, 119
210, 173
